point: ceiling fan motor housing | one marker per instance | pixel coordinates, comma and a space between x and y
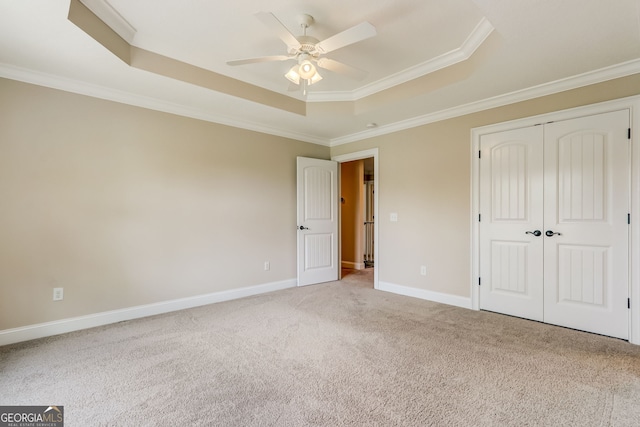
307, 46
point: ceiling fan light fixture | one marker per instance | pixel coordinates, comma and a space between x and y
307, 70
307, 50
293, 74
315, 78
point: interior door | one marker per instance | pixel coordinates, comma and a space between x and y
586, 203
317, 185
511, 248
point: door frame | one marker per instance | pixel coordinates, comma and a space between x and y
630, 103
358, 155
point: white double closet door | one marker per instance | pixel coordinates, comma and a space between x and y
554, 234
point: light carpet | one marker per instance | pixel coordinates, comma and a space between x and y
334, 354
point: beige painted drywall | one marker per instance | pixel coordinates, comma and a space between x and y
351, 213
123, 206
424, 176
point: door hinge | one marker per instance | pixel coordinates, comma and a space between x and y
479, 281
479, 217
629, 133
479, 154
629, 303
628, 218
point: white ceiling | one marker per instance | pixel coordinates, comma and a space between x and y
430, 59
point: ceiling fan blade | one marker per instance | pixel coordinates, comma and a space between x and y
260, 59
278, 27
339, 67
352, 35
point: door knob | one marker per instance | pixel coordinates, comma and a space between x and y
550, 233
302, 227
536, 233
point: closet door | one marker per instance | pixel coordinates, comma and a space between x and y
511, 245
569, 180
586, 203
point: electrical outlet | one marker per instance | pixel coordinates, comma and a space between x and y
423, 270
393, 217
267, 266
58, 294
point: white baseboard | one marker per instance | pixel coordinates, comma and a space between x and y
354, 265
25, 333
449, 299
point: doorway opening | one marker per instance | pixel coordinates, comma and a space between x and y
358, 212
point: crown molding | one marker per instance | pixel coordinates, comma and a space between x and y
110, 16
574, 82
462, 53
96, 91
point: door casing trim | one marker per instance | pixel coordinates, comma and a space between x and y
630, 103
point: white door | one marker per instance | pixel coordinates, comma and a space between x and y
317, 221
511, 224
587, 202
570, 181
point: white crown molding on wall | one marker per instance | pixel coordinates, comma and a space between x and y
56, 82
110, 16
462, 53
574, 82
83, 88
483, 29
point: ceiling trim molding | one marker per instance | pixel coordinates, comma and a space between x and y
83, 88
110, 16
96, 91
574, 82
135, 57
462, 53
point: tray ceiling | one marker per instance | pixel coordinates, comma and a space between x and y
430, 59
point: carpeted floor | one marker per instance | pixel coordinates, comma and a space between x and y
328, 355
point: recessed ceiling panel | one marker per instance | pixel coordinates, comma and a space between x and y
208, 34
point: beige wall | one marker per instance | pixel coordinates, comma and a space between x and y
425, 177
351, 214
123, 206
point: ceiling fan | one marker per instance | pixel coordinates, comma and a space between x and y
307, 51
